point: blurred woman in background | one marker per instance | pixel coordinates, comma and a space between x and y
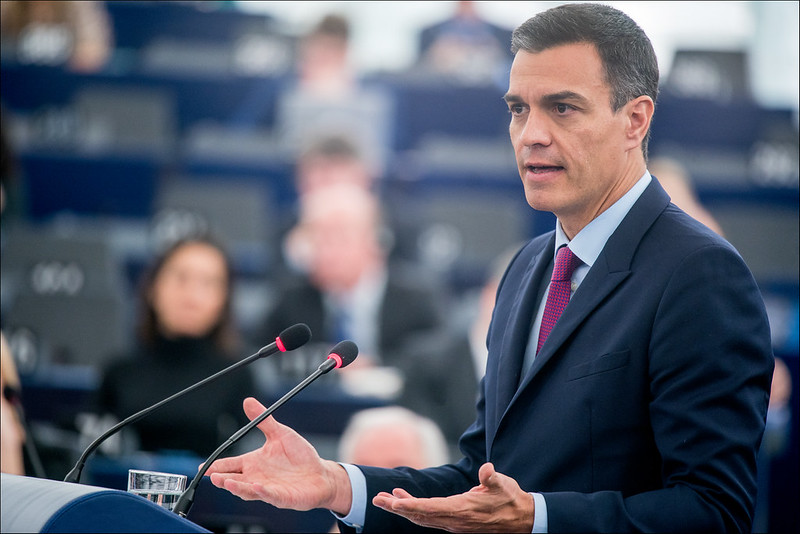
185, 334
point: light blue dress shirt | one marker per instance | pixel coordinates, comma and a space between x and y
587, 246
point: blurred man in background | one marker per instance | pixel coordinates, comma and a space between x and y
344, 286
392, 436
328, 97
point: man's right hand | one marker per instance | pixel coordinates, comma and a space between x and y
286, 472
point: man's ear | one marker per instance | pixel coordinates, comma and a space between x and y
639, 112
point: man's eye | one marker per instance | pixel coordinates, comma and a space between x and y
562, 108
516, 109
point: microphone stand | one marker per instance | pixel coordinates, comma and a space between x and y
75, 474
187, 497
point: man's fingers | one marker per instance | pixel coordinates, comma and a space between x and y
219, 479
226, 465
237, 485
387, 500
383, 500
486, 475
400, 493
252, 408
243, 490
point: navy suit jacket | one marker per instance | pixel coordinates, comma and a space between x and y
645, 407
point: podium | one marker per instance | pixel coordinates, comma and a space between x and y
40, 505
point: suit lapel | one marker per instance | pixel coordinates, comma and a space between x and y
515, 337
613, 265
598, 284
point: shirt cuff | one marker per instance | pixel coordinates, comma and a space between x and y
539, 513
358, 508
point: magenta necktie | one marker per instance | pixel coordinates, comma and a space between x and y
558, 296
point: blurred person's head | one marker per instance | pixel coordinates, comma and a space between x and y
338, 238
466, 9
677, 182
77, 34
391, 437
323, 62
187, 294
332, 160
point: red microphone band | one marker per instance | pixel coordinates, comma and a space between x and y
336, 358
278, 342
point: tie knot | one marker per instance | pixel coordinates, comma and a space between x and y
566, 262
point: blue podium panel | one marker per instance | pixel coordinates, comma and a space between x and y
40, 505
221, 511
213, 508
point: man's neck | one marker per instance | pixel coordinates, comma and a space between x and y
572, 224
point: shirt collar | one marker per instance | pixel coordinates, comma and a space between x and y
368, 290
590, 241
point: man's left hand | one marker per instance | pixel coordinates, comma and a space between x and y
498, 504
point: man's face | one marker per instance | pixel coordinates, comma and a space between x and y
322, 171
344, 246
575, 156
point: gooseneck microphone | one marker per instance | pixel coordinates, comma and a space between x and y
341, 355
293, 337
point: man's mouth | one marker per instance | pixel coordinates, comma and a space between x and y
542, 169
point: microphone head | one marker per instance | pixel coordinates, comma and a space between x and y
293, 337
343, 353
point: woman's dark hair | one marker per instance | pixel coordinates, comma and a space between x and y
629, 61
223, 334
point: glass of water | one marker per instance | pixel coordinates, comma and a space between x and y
163, 489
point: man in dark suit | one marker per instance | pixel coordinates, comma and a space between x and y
343, 286
642, 407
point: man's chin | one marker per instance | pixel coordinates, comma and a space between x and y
538, 201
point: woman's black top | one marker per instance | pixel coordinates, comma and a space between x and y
199, 421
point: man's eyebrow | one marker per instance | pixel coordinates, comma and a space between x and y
553, 97
564, 95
